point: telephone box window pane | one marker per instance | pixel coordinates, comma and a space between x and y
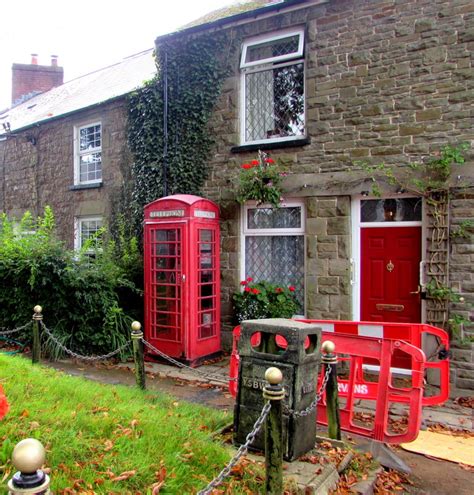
391, 210
274, 218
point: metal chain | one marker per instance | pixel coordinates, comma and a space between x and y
242, 451
208, 376
309, 409
15, 330
80, 356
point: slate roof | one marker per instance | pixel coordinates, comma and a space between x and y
83, 92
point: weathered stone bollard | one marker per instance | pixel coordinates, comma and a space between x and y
28, 457
275, 393
138, 354
329, 359
36, 348
295, 348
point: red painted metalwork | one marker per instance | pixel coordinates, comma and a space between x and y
182, 277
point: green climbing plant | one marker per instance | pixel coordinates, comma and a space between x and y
194, 68
431, 179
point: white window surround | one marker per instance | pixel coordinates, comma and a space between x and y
78, 153
80, 223
246, 232
265, 70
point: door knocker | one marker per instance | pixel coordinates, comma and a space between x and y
390, 266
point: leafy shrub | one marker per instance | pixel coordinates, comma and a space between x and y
82, 295
264, 300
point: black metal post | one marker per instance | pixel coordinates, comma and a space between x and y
138, 354
275, 393
36, 347
329, 360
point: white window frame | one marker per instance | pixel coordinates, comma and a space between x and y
247, 68
78, 228
256, 40
78, 153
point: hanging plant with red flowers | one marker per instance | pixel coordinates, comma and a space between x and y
3, 404
260, 180
259, 300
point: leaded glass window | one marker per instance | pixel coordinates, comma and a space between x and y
274, 246
273, 87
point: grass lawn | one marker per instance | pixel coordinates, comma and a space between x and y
111, 439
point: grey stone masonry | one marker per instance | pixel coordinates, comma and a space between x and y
40, 171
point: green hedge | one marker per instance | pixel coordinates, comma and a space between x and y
82, 296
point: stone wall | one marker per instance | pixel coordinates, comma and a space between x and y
37, 168
387, 81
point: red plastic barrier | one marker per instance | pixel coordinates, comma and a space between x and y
411, 333
361, 342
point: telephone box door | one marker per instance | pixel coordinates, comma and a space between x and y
166, 286
207, 286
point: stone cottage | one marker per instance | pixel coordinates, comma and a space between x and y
65, 145
322, 85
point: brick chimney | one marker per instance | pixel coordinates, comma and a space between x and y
28, 80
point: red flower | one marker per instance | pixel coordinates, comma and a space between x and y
247, 289
246, 166
255, 162
255, 291
292, 288
4, 407
249, 279
244, 282
269, 160
278, 290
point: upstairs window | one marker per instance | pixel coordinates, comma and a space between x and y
273, 88
88, 151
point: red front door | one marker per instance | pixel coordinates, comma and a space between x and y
390, 260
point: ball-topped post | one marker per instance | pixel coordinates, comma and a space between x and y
329, 359
28, 456
273, 376
36, 345
138, 354
275, 393
328, 347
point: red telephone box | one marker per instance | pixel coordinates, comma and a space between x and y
182, 277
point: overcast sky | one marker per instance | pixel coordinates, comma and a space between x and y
88, 34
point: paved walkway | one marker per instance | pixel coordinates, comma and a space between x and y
449, 414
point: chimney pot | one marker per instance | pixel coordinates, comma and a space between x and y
54, 60
34, 59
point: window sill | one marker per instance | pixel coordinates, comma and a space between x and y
271, 145
79, 187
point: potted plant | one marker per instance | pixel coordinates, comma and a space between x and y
260, 180
264, 300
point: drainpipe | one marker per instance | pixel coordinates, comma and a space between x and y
165, 125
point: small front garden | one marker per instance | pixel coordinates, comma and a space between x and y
113, 439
